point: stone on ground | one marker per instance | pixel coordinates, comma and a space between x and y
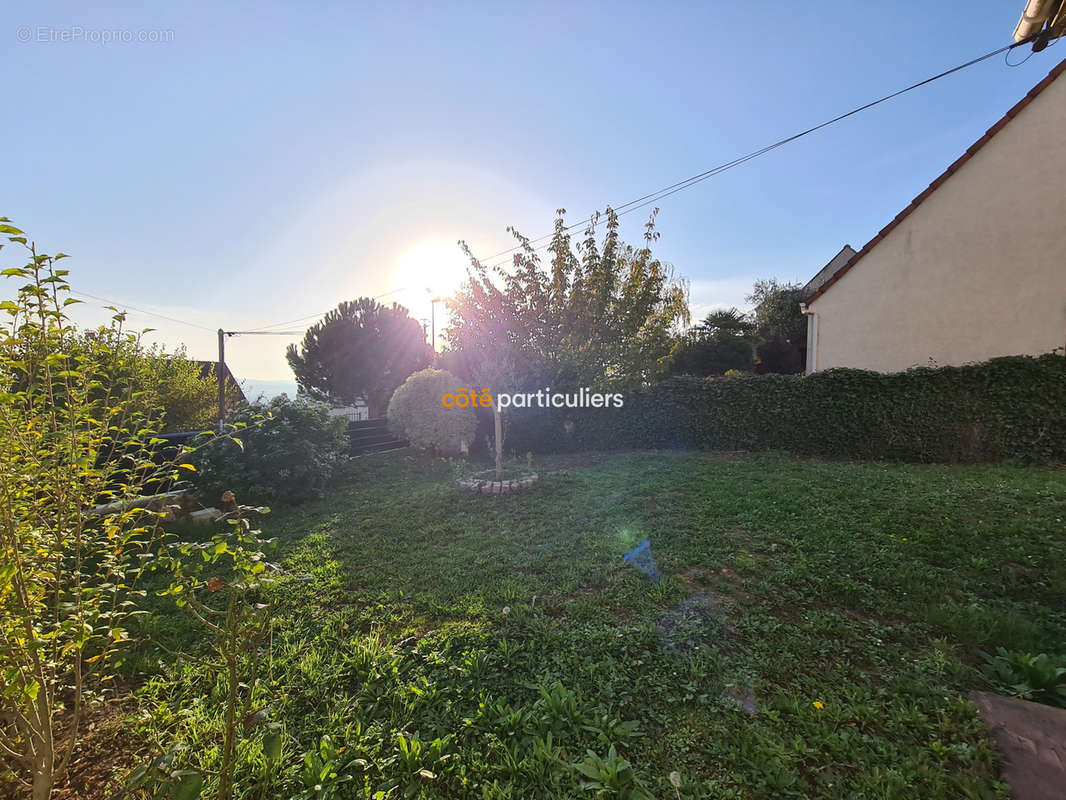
1032, 739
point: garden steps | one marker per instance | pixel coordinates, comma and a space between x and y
372, 436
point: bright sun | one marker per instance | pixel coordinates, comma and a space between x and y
436, 265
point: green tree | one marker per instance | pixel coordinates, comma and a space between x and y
725, 340
166, 381
75, 455
189, 399
360, 352
780, 326
600, 313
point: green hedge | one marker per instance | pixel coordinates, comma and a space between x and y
1006, 408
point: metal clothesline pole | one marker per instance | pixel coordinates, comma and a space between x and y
221, 370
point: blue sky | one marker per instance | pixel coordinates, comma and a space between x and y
267, 160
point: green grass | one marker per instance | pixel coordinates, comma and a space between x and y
494, 640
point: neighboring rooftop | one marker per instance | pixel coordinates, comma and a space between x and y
828, 271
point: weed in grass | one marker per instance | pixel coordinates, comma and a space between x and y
1041, 677
611, 776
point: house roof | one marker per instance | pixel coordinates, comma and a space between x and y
942, 178
828, 271
207, 370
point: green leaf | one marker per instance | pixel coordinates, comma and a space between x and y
187, 784
136, 779
9, 229
272, 745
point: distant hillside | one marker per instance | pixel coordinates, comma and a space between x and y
268, 389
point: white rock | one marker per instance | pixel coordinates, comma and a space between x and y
205, 515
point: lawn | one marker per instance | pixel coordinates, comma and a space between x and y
815, 634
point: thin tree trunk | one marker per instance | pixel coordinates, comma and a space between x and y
225, 786
377, 404
499, 441
44, 755
43, 774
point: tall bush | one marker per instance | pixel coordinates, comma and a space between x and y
169, 383
599, 312
69, 536
188, 399
417, 413
287, 453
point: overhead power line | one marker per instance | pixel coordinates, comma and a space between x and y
265, 330
128, 307
630, 206
316, 316
666, 191
263, 333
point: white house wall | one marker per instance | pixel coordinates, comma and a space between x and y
977, 270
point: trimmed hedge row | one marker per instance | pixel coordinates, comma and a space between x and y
1006, 408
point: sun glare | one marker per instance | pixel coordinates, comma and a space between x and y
436, 265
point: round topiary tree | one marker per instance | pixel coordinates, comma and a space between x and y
419, 412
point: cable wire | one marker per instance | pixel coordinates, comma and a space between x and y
635, 204
316, 316
128, 307
679, 186
263, 333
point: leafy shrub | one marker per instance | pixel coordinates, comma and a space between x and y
1006, 408
1041, 678
75, 453
417, 413
288, 457
189, 400
228, 610
161, 380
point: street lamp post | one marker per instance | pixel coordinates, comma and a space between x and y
433, 320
